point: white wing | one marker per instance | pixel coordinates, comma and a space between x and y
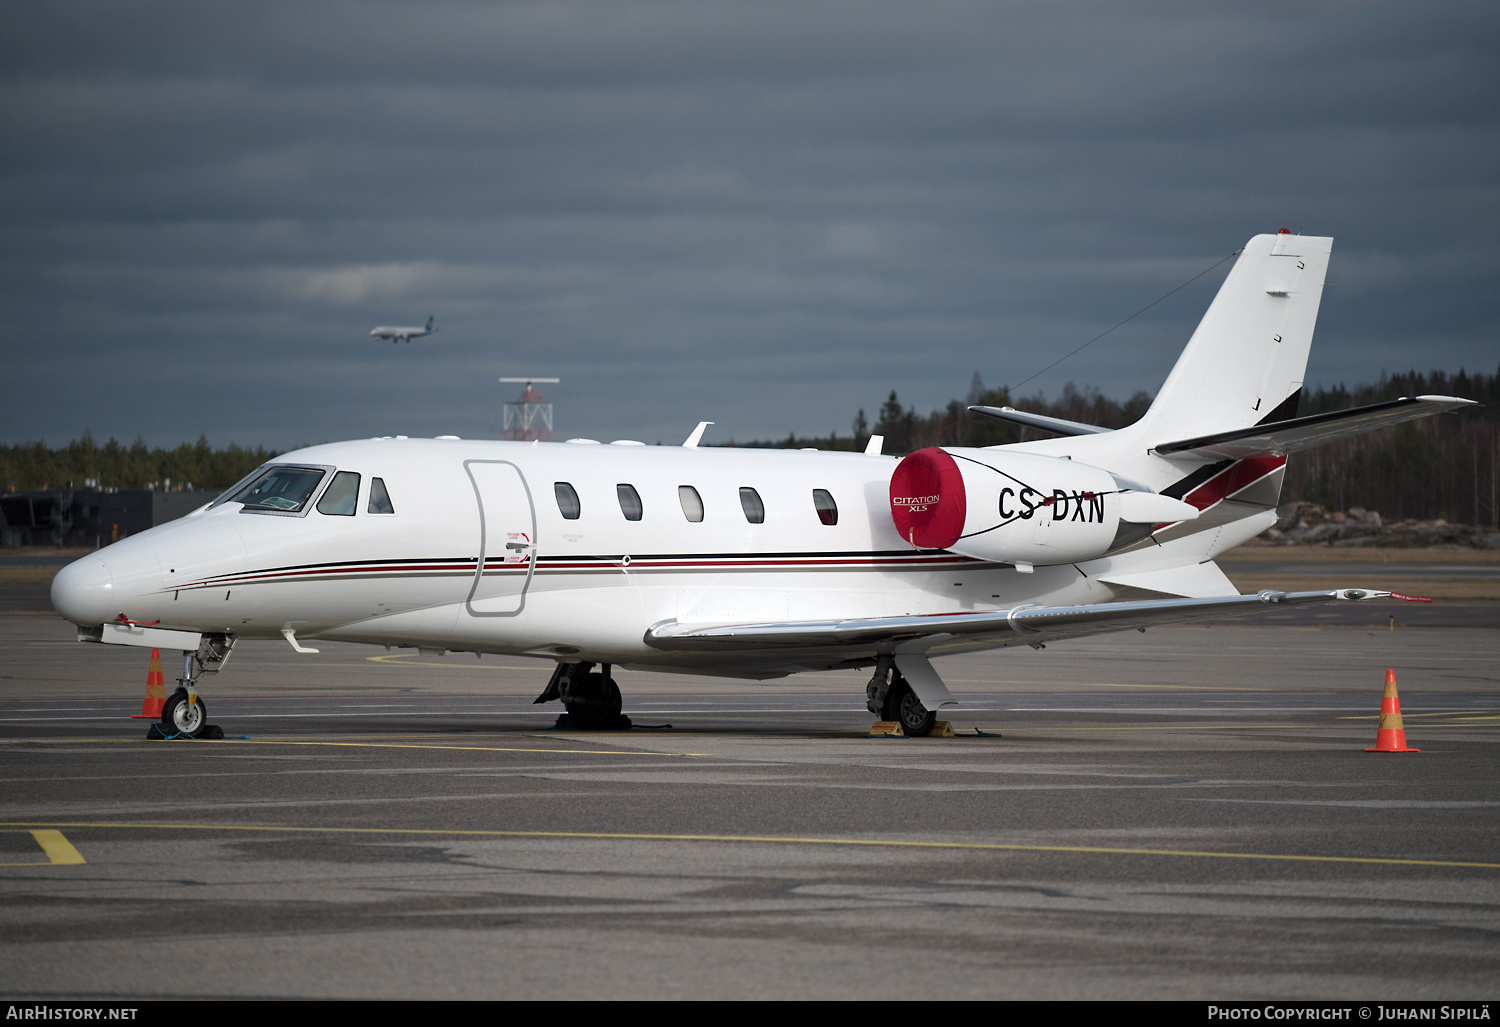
936, 634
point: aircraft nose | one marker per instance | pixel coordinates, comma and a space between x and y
82, 591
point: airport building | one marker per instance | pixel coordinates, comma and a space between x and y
89, 516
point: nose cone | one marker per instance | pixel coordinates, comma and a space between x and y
122, 578
83, 591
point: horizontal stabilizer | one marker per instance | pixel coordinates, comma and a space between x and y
1282, 437
1022, 625
1042, 421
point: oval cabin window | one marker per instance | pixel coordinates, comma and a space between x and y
567, 500
755, 510
630, 502
692, 503
828, 510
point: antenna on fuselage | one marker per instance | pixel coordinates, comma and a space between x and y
528, 419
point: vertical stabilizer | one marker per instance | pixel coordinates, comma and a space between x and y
1246, 360
1242, 367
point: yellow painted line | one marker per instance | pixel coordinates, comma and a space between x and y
466, 748
1051, 685
1147, 727
60, 851
1465, 715
364, 745
1184, 688
1478, 722
774, 840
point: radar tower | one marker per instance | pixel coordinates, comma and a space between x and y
528, 419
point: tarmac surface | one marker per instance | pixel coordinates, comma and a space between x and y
1188, 813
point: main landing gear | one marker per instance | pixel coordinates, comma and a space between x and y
591, 698
891, 698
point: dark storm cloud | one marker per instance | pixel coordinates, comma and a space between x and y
763, 214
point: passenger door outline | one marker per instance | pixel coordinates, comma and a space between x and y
497, 545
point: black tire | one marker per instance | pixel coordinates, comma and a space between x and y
180, 718
903, 706
593, 698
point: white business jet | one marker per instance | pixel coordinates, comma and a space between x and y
748, 562
402, 334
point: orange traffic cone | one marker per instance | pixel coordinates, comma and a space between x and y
156, 691
1390, 736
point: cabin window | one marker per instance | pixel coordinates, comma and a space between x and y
828, 510
281, 489
692, 503
755, 510
630, 502
341, 495
567, 500
380, 499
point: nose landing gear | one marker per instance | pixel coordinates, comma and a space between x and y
184, 714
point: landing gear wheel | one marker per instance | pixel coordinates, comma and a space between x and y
902, 704
178, 717
593, 702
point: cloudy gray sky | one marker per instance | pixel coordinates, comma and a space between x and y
762, 214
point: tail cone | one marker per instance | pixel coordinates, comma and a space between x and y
156, 690
1390, 735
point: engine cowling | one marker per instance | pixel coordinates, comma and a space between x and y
1021, 508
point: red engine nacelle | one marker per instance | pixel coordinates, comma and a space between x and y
928, 501
1022, 508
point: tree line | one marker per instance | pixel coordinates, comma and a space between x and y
1440, 467
1445, 467
84, 463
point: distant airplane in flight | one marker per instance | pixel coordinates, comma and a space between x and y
401, 334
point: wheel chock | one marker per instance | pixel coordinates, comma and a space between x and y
154, 733
941, 729
886, 729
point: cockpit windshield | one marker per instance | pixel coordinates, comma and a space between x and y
280, 489
234, 489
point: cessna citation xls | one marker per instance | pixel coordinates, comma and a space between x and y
747, 562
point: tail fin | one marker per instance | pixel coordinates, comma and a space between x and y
1242, 367
1244, 364
429, 322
